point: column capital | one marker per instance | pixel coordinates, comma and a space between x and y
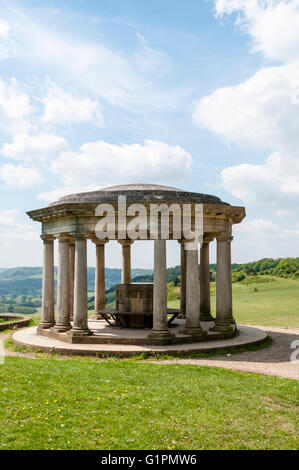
224, 237
97, 241
47, 238
207, 239
78, 236
63, 237
126, 242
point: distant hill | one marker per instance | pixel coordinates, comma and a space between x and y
28, 280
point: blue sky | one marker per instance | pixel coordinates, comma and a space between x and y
201, 95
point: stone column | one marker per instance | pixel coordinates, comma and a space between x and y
48, 283
183, 279
160, 333
223, 287
126, 261
71, 276
80, 324
100, 298
204, 303
63, 287
192, 326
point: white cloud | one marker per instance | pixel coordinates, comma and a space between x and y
56, 193
99, 162
62, 108
4, 29
263, 111
15, 108
11, 229
272, 24
7, 217
275, 182
41, 147
5, 43
265, 229
20, 177
127, 80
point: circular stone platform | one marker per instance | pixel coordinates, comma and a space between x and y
13, 320
28, 337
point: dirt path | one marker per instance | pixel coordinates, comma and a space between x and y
274, 360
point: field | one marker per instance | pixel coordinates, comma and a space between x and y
73, 404
127, 404
273, 303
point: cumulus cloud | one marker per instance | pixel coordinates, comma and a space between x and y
272, 24
40, 147
56, 193
20, 177
15, 108
275, 182
11, 229
63, 108
262, 228
262, 238
262, 112
98, 162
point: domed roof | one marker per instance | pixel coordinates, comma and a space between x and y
139, 187
138, 193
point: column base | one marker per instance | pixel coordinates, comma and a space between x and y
61, 328
198, 332
207, 318
79, 332
161, 337
96, 316
45, 325
226, 329
76, 335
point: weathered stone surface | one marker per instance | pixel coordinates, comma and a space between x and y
140, 193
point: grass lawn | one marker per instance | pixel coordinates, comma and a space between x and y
74, 404
273, 303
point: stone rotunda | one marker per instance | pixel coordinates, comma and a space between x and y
141, 315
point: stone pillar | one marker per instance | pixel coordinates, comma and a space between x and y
80, 324
223, 287
160, 333
183, 279
204, 303
126, 261
100, 298
63, 287
71, 276
192, 326
48, 283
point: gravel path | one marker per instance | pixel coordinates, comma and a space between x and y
274, 360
